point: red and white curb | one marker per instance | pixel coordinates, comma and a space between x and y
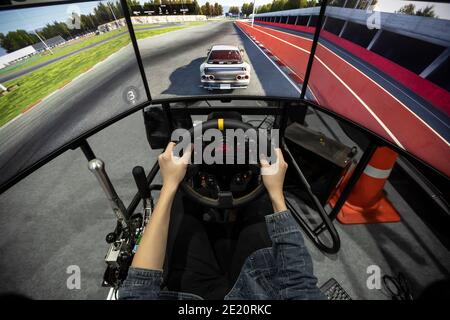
297, 79
294, 77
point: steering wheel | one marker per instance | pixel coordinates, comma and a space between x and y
225, 199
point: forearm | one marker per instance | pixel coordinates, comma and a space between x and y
278, 202
152, 247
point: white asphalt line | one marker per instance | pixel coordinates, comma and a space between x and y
312, 92
260, 45
401, 90
10, 121
175, 31
377, 84
381, 123
271, 35
48, 96
268, 58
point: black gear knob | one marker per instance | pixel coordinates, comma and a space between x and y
141, 182
111, 237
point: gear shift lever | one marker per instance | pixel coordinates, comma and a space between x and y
97, 167
144, 191
141, 182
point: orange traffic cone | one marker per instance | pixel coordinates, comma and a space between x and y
367, 203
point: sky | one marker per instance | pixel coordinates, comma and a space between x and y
442, 9
35, 18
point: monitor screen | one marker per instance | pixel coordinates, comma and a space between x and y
201, 48
64, 69
383, 64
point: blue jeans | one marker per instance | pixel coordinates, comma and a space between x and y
271, 262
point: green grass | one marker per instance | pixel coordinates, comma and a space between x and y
143, 26
197, 23
40, 83
141, 34
60, 51
79, 44
149, 33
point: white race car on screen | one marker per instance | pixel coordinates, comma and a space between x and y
225, 69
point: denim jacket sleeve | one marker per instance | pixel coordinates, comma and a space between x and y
294, 269
141, 284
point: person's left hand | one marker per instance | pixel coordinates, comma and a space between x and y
173, 168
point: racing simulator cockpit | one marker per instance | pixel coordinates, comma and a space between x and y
95, 96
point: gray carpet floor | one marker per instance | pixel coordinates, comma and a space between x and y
58, 217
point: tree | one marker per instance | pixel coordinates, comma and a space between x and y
88, 22
103, 13
233, 10
278, 5
410, 9
218, 10
197, 9
428, 11
264, 8
247, 9
295, 4
206, 9
133, 3
407, 9
16, 40
244, 8
56, 29
313, 3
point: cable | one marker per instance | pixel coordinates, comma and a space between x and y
261, 122
398, 287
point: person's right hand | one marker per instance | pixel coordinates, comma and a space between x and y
273, 179
173, 168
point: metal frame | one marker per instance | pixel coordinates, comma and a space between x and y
313, 48
327, 223
283, 110
327, 219
126, 14
356, 174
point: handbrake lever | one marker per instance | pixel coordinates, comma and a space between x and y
97, 167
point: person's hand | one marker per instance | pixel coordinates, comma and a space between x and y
273, 179
173, 168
